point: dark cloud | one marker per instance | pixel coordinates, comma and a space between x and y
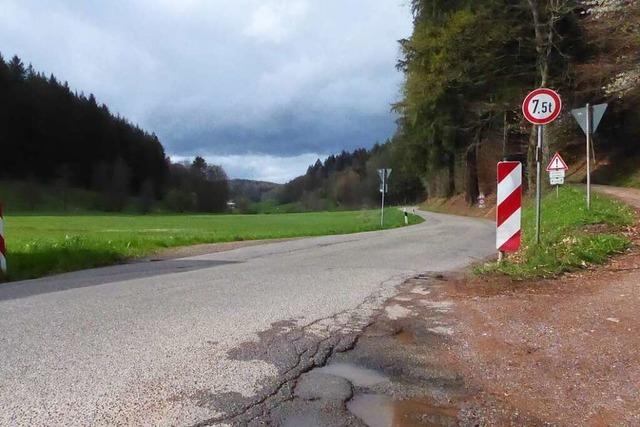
286, 134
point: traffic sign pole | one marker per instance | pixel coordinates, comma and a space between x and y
384, 178
384, 187
538, 180
541, 107
589, 118
588, 132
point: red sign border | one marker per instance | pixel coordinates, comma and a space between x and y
547, 91
557, 154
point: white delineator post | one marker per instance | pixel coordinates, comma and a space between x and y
509, 212
3, 247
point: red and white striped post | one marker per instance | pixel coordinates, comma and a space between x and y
509, 212
3, 247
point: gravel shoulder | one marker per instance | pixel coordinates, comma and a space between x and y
458, 349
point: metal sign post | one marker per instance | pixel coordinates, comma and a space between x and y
589, 118
588, 157
541, 107
384, 188
539, 181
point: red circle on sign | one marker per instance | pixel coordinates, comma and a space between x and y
531, 108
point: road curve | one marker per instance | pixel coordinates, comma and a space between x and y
204, 339
630, 196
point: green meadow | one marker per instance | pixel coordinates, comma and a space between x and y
40, 245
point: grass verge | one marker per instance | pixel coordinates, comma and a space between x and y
571, 236
41, 245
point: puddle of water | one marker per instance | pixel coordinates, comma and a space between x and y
382, 411
358, 376
406, 337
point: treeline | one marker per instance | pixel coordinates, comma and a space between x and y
50, 134
350, 180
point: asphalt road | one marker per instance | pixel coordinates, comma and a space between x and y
206, 339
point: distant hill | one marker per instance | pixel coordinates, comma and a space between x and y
251, 190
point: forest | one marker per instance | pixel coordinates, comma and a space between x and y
50, 134
468, 65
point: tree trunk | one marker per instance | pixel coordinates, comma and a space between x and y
471, 178
544, 41
451, 190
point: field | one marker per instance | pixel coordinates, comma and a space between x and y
41, 245
571, 236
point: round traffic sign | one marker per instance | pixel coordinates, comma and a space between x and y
542, 106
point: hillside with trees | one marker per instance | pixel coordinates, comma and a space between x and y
468, 65
350, 180
57, 140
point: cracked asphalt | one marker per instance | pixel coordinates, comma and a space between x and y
211, 339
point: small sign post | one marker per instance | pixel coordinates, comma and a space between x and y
589, 118
541, 107
384, 188
557, 169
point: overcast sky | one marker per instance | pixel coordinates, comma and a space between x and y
263, 87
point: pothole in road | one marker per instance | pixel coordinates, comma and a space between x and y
391, 377
356, 375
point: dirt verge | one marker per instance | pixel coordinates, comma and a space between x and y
466, 350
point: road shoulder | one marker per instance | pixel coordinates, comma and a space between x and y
460, 349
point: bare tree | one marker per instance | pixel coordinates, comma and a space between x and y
546, 14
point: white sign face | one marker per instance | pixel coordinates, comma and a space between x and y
542, 106
384, 174
556, 177
481, 201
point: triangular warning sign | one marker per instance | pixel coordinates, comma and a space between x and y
557, 163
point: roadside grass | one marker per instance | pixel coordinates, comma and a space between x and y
571, 236
42, 245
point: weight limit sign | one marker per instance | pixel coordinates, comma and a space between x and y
542, 106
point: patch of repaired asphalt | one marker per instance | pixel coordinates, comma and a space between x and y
300, 353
